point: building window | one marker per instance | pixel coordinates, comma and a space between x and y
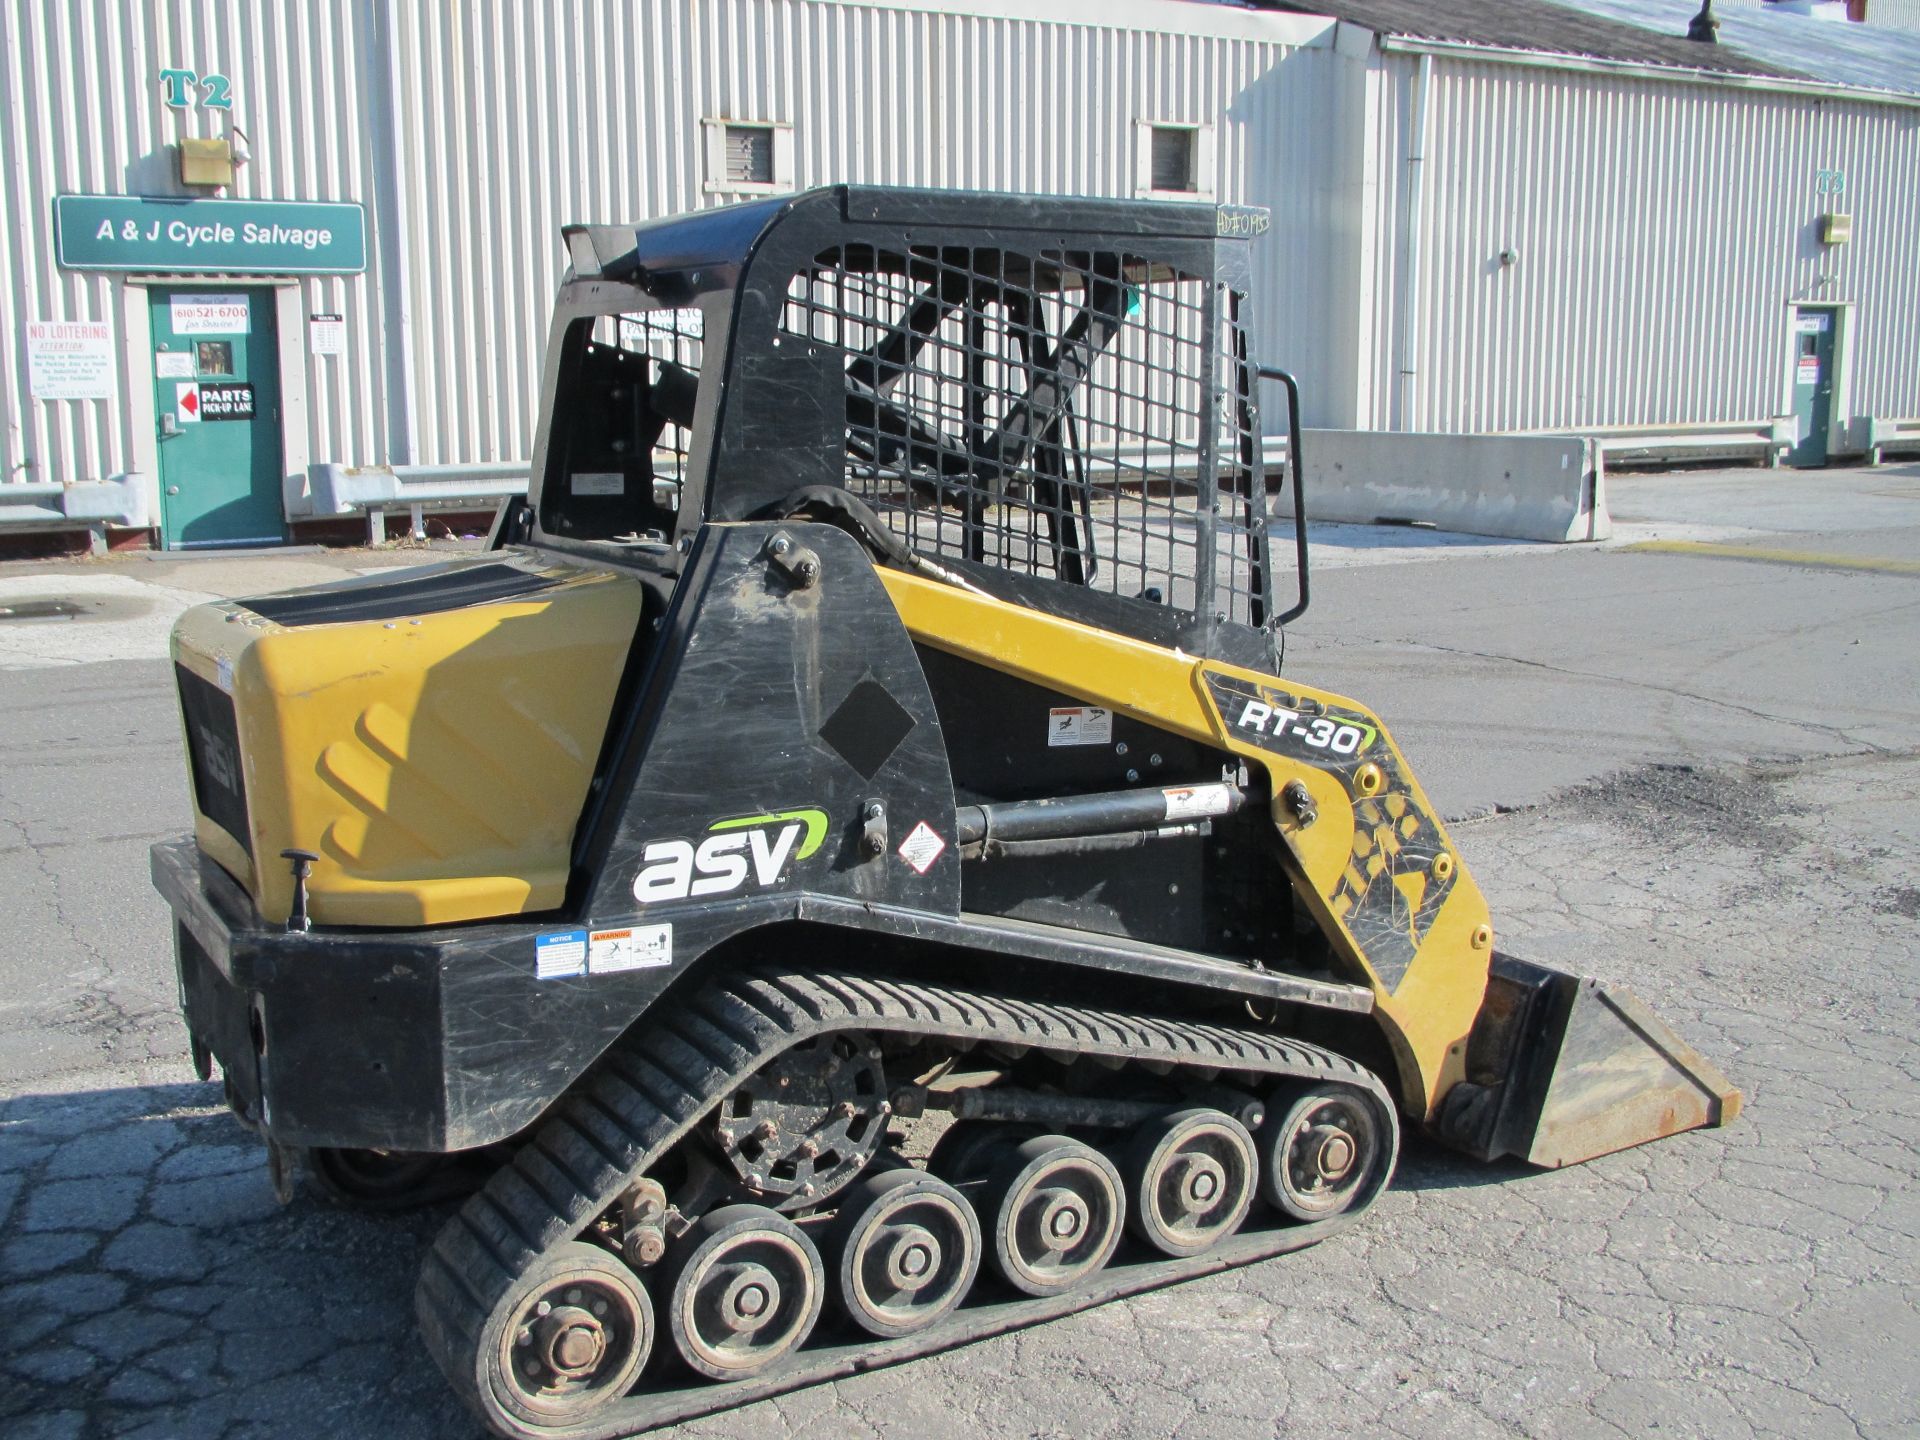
749, 156
1173, 167
1175, 162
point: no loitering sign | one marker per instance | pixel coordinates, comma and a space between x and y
69, 360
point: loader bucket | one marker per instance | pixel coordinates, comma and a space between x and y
1562, 1069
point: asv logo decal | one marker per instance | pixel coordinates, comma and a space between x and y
756, 847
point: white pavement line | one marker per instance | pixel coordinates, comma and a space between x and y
124, 619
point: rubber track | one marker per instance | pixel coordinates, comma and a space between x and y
657, 1081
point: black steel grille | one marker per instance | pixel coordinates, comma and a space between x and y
213, 755
674, 345
624, 424
1079, 415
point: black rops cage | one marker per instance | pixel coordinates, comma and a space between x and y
1053, 397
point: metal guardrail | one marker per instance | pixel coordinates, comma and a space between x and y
1624, 444
1883, 435
36, 507
373, 490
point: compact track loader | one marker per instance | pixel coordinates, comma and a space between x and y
845, 872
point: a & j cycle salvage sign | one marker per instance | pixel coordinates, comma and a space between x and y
230, 237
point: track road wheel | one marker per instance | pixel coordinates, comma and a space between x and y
969, 1148
1326, 1149
569, 1337
1190, 1180
745, 1287
377, 1179
903, 1251
1056, 1209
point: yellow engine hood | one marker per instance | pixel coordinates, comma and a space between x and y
430, 733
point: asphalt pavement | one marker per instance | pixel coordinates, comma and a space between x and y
1687, 760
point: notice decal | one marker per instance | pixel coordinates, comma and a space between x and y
186, 403
599, 482
632, 947
556, 957
1079, 725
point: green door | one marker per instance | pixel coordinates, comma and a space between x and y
217, 401
1812, 384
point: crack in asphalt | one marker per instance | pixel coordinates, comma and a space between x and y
1835, 732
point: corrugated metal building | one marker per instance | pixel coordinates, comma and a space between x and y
1586, 226
1469, 235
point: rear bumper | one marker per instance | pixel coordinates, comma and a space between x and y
323, 1040
436, 1039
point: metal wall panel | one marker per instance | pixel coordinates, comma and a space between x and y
512, 123
1662, 229
1662, 233
84, 115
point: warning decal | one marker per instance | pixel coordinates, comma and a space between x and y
1193, 802
632, 947
1079, 725
921, 848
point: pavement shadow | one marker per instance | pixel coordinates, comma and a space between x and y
154, 1286
1427, 1165
1391, 538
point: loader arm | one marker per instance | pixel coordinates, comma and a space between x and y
1495, 1055
1365, 863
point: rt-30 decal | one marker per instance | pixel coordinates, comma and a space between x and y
751, 848
1325, 733
1388, 893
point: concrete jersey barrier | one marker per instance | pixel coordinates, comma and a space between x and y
1520, 487
96, 506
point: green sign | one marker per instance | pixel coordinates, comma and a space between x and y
216, 237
